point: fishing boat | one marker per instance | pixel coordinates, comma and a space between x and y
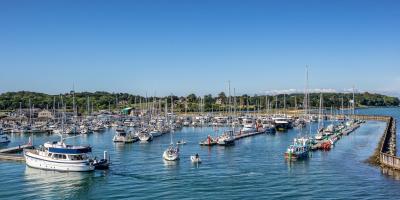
59, 156
299, 149
3, 137
195, 158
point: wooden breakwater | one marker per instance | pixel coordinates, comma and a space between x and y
385, 153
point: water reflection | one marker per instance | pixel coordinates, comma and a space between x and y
65, 184
296, 165
394, 174
171, 164
122, 147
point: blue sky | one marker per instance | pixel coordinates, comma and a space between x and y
188, 46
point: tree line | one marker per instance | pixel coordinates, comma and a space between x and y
190, 103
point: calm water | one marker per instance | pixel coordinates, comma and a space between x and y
254, 168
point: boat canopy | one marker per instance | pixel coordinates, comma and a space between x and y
70, 150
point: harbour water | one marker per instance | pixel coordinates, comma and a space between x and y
253, 169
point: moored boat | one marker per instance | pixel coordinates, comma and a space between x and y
3, 137
145, 136
226, 139
122, 136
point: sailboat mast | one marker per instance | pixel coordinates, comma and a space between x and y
354, 102
320, 120
234, 102
73, 100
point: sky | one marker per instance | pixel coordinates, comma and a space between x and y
198, 46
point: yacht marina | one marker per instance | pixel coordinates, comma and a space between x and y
146, 126
137, 162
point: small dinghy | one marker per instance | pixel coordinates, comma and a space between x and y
103, 163
195, 158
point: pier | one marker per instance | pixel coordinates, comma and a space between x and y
16, 149
11, 153
326, 143
244, 135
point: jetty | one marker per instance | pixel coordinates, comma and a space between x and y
241, 135
12, 152
326, 143
16, 149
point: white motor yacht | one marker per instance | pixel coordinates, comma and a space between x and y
59, 156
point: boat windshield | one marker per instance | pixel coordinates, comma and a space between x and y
77, 157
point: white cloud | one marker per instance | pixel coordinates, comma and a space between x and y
292, 91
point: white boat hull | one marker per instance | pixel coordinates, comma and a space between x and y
40, 162
170, 157
123, 139
156, 133
145, 138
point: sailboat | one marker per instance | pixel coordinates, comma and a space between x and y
172, 152
320, 130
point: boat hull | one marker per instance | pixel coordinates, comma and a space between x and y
168, 157
296, 156
226, 143
40, 162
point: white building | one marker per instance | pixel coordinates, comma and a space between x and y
45, 114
